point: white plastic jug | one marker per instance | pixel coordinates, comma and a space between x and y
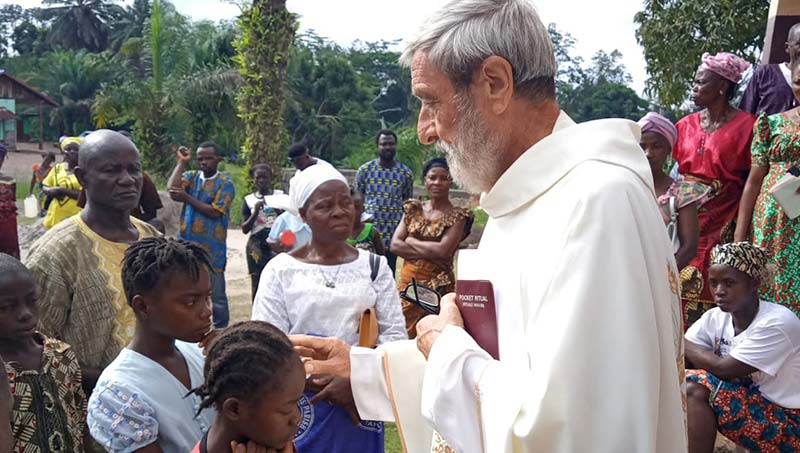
31, 206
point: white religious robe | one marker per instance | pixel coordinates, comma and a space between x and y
588, 310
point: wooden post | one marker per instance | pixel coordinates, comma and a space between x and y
41, 124
782, 15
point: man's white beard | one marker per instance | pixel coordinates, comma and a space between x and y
473, 155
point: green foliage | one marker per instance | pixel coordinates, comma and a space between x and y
329, 104
481, 217
130, 24
79, 24
392, 439
73, 79
409, 151
262, 53
241, 181
179, 88
599, 90
11, 16
338, 98
675, 33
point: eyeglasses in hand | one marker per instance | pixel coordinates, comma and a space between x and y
422, 296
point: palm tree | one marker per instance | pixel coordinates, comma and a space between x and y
131, 24
74, 79
80, 24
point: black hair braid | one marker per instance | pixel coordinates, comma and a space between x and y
246, 358
147, 261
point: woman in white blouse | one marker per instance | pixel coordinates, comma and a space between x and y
321, 289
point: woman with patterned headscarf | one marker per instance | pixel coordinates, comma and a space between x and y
61, 186
743, 359
677, 199
713, 148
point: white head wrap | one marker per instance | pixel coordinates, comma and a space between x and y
304, 184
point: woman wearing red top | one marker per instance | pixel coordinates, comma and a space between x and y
713, 148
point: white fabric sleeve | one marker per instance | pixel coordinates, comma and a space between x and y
602, 366
766, 347
391, 322
368, 383
455, 364
119, 418
270, 304
702, 331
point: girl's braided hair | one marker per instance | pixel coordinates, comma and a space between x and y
246, 358
147, 261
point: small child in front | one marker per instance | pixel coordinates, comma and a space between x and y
254, 379
49, 406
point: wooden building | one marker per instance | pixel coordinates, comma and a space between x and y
13, 92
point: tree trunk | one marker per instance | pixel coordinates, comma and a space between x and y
267, 33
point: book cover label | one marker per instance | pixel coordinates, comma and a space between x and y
475, 300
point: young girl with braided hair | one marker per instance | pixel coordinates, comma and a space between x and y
254, 379
140, 402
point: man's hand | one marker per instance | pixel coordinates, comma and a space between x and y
337, 391
178, 194
430, 327
183, 154
259, 206
323, 355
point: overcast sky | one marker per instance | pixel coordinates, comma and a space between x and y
595, 25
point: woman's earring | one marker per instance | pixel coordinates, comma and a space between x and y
721, 93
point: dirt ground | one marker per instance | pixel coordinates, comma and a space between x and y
20, 164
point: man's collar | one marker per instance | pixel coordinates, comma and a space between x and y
203, 176
613, 141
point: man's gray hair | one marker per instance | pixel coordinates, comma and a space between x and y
461, 35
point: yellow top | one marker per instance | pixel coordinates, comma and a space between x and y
67, 207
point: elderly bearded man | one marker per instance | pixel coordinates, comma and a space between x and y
587, 305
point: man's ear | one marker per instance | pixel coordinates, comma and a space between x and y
80, 173
302, 212
495, 79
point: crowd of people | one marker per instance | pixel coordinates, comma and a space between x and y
650, 257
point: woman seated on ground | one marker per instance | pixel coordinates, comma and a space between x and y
61, 187
322, 288
428, 236
678, 199
746, 355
